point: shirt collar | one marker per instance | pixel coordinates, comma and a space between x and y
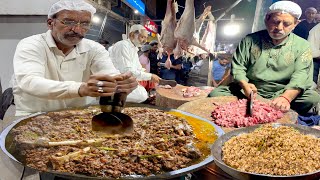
50, 41
81, 47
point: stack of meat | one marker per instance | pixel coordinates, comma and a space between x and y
233, 114
191, 92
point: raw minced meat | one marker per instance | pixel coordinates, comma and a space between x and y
274, 151
234, 114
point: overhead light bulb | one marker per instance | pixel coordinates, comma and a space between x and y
95, 19
136, 11
231, 29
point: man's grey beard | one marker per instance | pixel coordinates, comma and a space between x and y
136, 42
279, 37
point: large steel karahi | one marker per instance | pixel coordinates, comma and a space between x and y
257, 146
95, 156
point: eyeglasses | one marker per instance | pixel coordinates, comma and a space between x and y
83, 25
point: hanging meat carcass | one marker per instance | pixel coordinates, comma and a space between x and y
168, 25
208, 39
199, 22
185, 30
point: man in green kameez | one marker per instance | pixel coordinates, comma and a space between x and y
275, 63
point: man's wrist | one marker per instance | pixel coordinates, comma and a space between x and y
286, 99
243, 84
80, 90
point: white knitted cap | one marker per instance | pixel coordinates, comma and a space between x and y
72, 5
286, 7
136, 27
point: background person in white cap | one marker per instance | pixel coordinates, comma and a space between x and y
275, 63
124, 55
307, 24
60, 69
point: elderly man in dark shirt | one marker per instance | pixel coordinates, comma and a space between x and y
303, 28
154, 69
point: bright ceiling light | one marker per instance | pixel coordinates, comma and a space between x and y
136, 11
231, 29
95, 19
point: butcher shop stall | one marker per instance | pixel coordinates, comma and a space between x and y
179, 132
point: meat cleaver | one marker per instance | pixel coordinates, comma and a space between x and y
164, 82
250, 104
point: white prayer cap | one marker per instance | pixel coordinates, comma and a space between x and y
136, 27
71, 5
286, 7
145, 48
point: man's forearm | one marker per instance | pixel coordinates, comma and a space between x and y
243, 83
291, 94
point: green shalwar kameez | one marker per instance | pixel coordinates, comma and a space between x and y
273, 69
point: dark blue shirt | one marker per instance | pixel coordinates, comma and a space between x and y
303, 28
170, 74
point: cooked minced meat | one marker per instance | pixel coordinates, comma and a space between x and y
160, 142
274, 151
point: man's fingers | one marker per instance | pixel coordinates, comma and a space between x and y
127, 86
119, 77
97, 94
123, 76
103, 77
127, 81
254, 89
96, 83
280, 105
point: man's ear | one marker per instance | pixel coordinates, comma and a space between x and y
298, 21
50, 23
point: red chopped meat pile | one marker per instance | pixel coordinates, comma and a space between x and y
191, 92
233, 114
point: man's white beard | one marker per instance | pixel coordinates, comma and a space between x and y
278, 37
136, 41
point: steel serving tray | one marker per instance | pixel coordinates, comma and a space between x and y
216, 151
5, 146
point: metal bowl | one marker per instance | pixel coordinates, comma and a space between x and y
6, 144
216, 151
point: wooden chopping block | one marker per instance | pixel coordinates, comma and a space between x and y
207, 105
173, 98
